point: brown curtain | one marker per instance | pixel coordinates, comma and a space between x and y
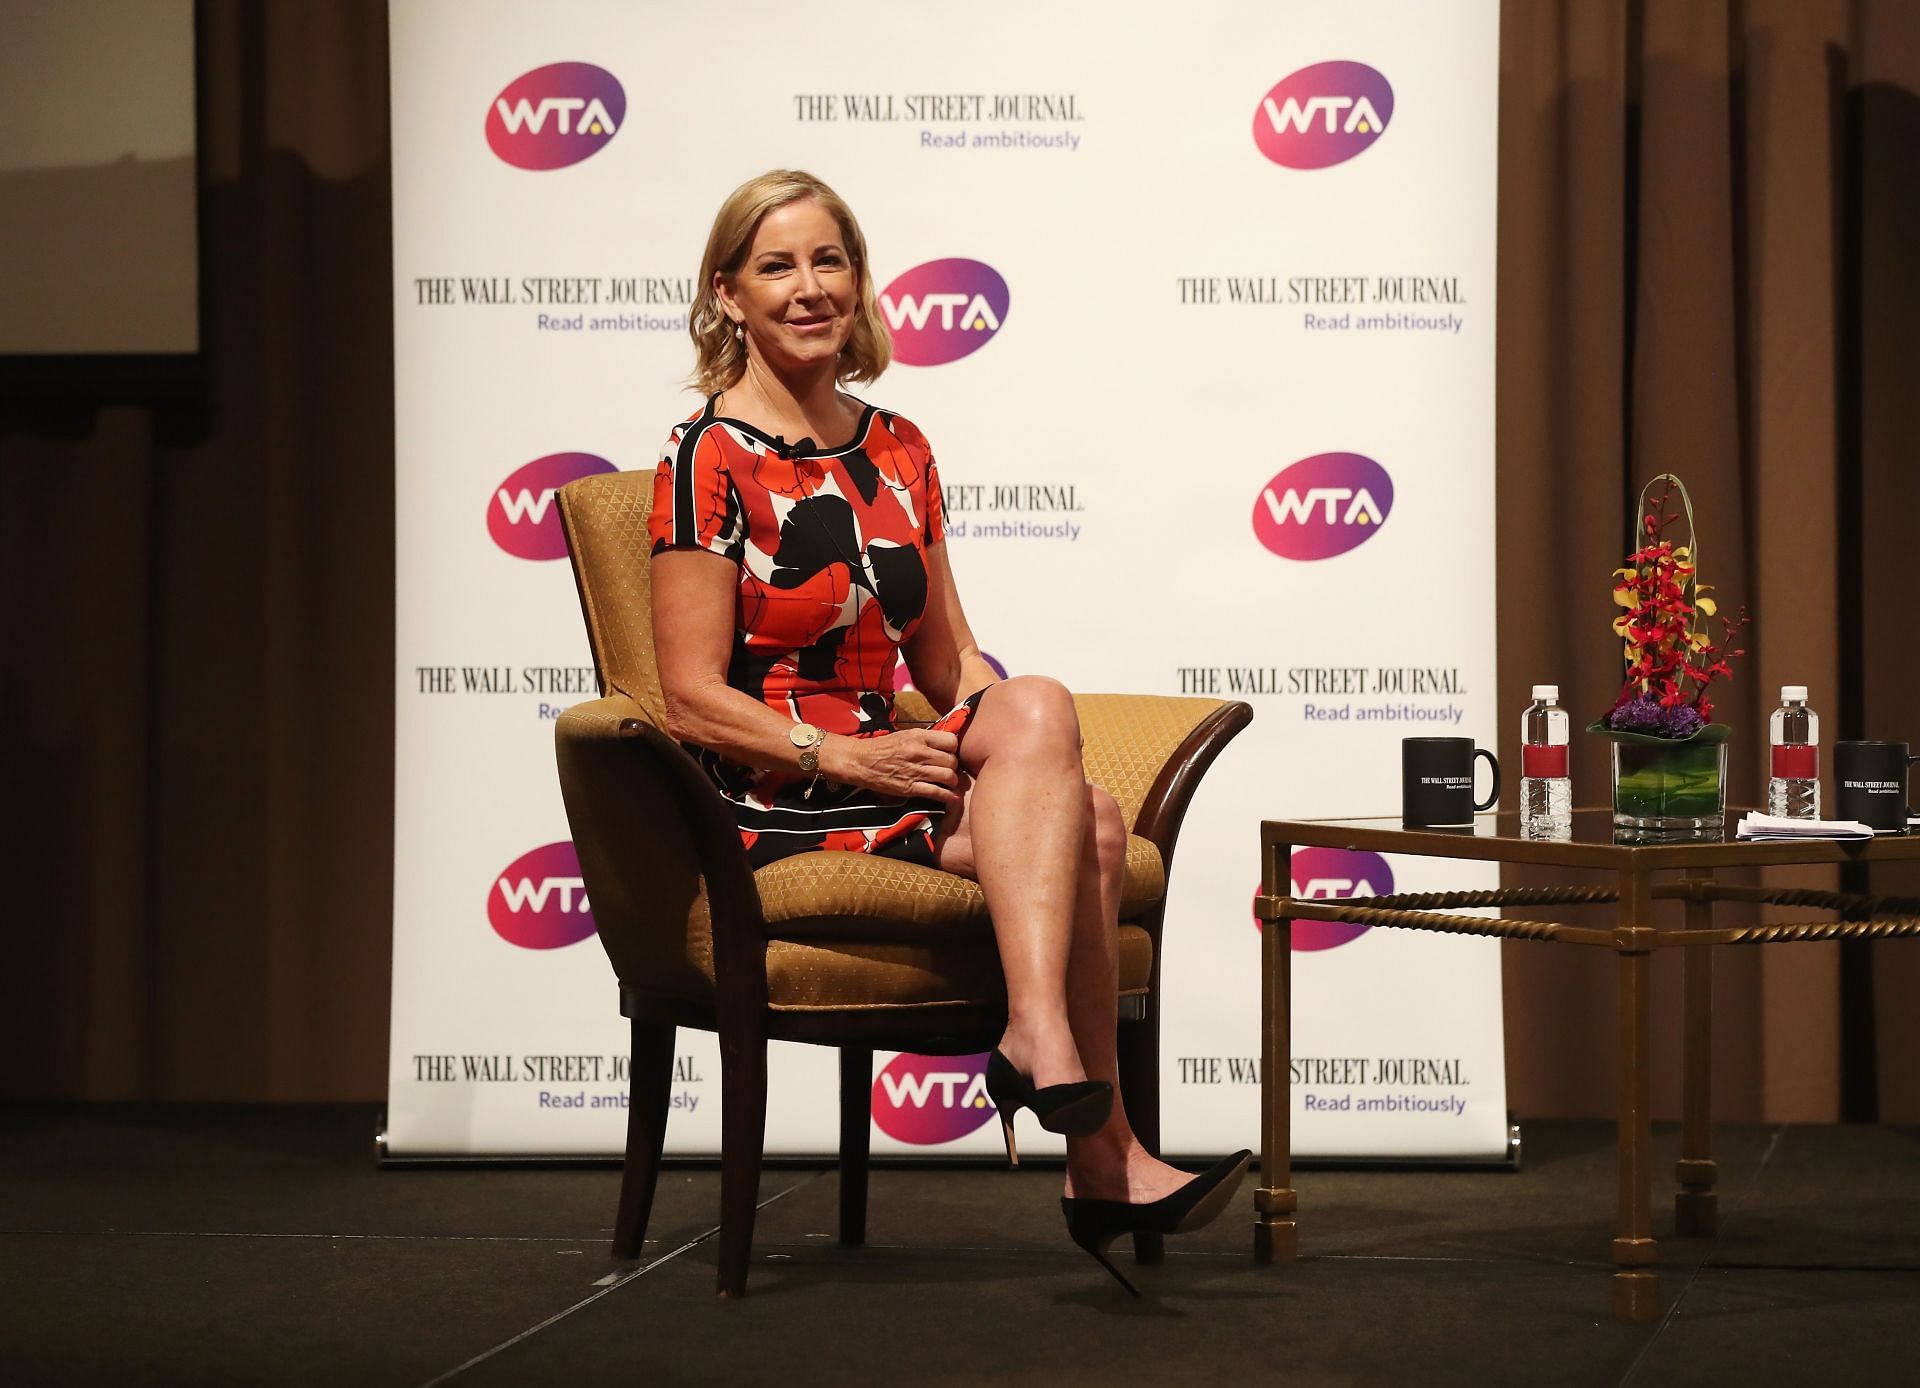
1707, 212
196, 687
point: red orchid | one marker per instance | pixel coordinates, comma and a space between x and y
1671, 658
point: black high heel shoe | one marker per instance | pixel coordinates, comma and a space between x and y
1072, 1109
1095, 1224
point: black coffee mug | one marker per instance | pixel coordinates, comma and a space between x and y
1436, 781
1870, 783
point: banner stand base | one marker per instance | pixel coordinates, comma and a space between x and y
1507, 1160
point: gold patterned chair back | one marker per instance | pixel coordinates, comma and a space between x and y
605, 517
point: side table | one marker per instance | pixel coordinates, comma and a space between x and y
1634, 866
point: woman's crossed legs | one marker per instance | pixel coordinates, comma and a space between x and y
1049, 850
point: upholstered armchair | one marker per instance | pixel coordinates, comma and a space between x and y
837, 949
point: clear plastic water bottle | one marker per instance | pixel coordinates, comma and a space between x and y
1546, 790
1794, 737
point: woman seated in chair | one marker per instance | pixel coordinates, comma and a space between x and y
798, 549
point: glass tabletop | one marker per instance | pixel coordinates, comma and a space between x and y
1594, 841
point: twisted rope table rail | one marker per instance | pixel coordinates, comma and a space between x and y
1880, 928
1435, 911
1503, 896
1505, 927
1853, 903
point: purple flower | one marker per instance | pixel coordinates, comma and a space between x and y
1684, 720
1641, 715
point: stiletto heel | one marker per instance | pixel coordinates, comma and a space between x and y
1095, 1231
1097, 1238
1095, 1224
1071, 1109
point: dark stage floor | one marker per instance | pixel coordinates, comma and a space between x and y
261, 1245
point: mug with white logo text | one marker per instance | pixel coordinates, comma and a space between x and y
1870, 783
1436, 781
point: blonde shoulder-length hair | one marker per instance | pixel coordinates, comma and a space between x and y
720, 359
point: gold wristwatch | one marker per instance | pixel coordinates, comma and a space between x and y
808, 738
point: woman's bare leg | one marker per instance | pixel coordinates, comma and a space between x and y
1025, 820
1054, 908
1109, 1164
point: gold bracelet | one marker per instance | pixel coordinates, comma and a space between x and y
808, 738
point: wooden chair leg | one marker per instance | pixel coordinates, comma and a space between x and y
651, 1060
1139, 1057
743, 1134
856, 1131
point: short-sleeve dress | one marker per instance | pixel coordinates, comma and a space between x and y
831, 546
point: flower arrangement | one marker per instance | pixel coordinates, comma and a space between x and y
1669, 756
1672, 659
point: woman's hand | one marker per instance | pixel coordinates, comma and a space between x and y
919, 763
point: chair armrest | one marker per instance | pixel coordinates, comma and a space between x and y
650, 830
1165, 806
1150, 751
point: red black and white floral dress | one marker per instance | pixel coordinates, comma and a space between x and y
831, 545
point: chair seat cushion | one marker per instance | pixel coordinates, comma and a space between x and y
843, 896
850, 974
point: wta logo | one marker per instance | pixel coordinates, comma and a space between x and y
556, 115
1328, 874
540, 901
926, 1099
1323, 506
1322, 115
943, 310
521, 515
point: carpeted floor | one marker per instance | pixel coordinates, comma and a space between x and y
262, 1245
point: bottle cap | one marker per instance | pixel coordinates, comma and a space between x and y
1793, 693
1546, 691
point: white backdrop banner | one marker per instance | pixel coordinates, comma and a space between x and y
1199, 318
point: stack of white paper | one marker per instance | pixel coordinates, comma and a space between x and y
1766, 826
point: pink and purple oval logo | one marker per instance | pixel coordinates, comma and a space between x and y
1321, 874
928, 1099
903, 677
1322, 115
943, 310
1323, 506
540, 900
556, 115
522, 517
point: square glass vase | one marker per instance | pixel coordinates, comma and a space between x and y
1677, 788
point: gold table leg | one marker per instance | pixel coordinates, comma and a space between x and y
1274, 1201
1636, 1284
1696, 1211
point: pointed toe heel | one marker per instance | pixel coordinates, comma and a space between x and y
1073, 1110
1095, 1224
1212, 1191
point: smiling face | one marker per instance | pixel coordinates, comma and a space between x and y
796, 290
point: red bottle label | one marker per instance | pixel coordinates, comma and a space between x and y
1796, 763
1543, 763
